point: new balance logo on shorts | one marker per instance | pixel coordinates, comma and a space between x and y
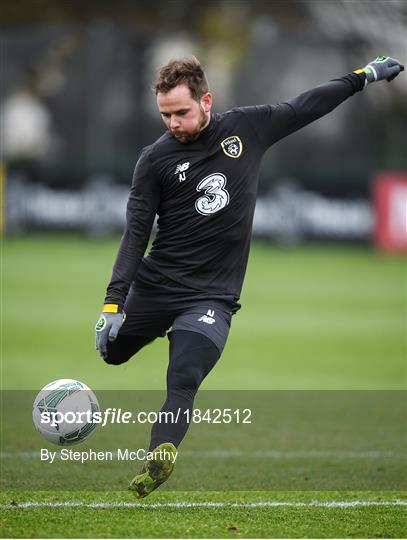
208, 318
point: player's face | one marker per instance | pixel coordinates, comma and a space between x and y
184, 116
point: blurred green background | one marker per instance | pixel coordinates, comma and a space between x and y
77, 104
315, 317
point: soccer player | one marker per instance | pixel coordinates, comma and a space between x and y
200, 177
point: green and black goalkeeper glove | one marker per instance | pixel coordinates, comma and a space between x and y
382, 68
108, 326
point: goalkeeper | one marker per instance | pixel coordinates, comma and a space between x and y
200, 177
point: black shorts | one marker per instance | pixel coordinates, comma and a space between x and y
155, 304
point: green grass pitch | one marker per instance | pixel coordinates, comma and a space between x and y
313, 318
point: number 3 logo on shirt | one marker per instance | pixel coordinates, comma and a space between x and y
215, 198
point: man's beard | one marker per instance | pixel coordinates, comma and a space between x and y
185, 137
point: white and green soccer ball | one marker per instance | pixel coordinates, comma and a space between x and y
63, 412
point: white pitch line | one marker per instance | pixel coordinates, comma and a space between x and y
278, 454
272, 454
260, 504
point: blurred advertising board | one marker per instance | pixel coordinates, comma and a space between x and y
288, 213
390, 203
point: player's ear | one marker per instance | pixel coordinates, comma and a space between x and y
206, 102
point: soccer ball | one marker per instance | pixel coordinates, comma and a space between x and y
63, 412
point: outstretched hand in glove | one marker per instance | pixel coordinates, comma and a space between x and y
382, 68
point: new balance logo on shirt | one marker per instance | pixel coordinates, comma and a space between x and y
180, 170
208, 318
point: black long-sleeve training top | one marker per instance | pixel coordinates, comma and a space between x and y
204, 193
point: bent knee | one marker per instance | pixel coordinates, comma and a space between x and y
123, 348
117, 355
115, 360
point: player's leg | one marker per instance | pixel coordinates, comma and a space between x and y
197, 340
192, 356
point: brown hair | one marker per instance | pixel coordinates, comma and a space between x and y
182, 71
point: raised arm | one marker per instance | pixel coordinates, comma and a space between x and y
274, 122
